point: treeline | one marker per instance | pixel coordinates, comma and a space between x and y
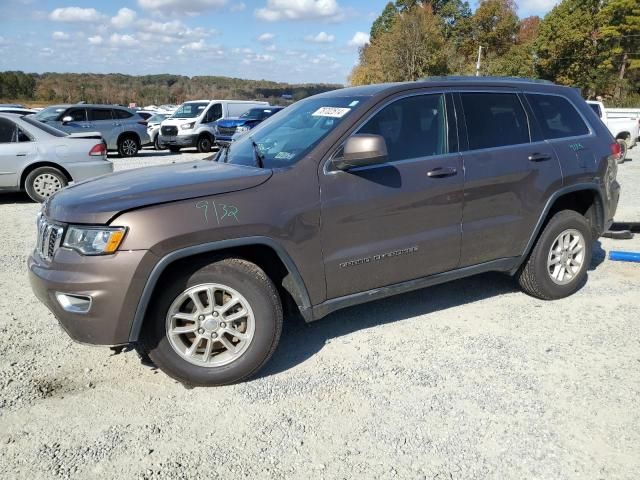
590, 44
143, 90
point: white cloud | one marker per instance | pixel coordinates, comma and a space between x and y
60, 36
360, 39
266, 37
181, 7
536, 7
124, 18
174, 30
322, 37
193, 47
3, 41
46, 52
118, 41
95, 40
271, 48
277, 10
75, 14
238, 7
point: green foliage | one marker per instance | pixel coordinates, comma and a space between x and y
144, 90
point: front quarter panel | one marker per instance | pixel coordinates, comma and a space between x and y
284, 209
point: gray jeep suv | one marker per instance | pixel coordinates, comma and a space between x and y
122, 129
345, 197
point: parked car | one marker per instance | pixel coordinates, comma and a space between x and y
228, 128
18, 110
153, 128
342, 198
122, 129
41, 160
624, 130
193, 124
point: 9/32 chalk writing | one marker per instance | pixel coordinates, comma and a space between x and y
222, 211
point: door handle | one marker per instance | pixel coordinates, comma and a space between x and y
21, 154
539, 157
441, 172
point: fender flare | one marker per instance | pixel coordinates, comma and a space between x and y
301, 295
545, 212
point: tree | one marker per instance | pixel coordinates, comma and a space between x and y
495, 25
413, 48
384, 22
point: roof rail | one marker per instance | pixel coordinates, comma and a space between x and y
469, 78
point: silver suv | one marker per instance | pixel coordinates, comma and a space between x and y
123, 130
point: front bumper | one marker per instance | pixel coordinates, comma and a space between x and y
186, 141
114, 284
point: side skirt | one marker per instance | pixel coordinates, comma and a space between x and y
329, 306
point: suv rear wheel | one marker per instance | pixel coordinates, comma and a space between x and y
43, 182
558, 263
128, 146
215, 326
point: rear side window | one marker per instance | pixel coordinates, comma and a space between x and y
7, 131
494, 120
96, 114
557, 116
596, 108
412, 127
121, 114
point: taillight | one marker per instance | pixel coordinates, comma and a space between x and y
616, 150
98, 150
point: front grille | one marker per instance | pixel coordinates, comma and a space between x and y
226, 131
49, 238
169, 130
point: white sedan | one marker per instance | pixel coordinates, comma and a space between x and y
41, 160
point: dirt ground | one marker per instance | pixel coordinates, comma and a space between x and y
468, 380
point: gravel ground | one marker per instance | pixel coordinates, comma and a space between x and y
468, 380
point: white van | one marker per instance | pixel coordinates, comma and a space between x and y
193, 124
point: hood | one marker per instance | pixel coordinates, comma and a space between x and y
235, 122
98, 200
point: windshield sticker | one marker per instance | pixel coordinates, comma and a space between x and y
354, 103
334, 112
284, 156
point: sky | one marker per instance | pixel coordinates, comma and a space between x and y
295, 41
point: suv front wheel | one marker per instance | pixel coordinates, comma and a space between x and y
214, 326
558, 264
128, 146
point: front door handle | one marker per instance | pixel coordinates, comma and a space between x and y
441, 172
21, 154
539, 157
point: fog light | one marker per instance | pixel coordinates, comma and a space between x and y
74, 303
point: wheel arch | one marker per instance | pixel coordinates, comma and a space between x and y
585, 199
31, 167
127, 134
623, 135
263, 251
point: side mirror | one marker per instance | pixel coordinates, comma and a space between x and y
360, 150
67, 119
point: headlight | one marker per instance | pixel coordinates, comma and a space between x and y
187, 126
242, 129
94, 241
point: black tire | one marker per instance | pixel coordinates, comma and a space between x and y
534, 276
53, 179
624, 148
156, 143
248, 280
205, 143
174, 149
128, 146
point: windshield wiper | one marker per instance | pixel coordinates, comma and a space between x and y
258, 154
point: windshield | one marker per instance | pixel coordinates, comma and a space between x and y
190, 110
46, 128
284, 139
157, 118
50, 114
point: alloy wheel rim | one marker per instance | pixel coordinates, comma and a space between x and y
129, 147
566, 257
46, 184
210, 325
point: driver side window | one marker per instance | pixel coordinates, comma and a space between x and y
214, 113
412, 127
77, 114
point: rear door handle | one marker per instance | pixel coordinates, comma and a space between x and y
440, 172
539, 157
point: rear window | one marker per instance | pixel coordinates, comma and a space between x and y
44, 127
557, 116
494, 120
